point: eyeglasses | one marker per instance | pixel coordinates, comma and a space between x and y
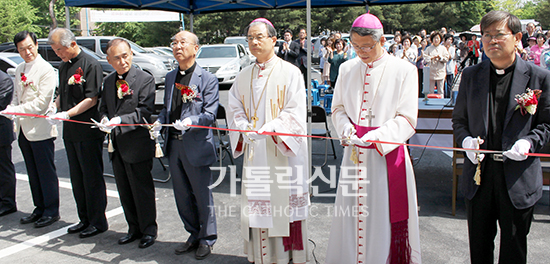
258, 38
498, 37
183, 43
364, 49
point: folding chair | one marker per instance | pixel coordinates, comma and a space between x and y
223, 146
318, 115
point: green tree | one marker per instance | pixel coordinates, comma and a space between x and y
44, 20
541, 14
17, 15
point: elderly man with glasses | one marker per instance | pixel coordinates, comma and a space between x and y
191, 98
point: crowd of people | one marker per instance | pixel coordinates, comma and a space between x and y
374, 102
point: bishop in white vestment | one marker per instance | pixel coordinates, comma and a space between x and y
375, 219
269, 96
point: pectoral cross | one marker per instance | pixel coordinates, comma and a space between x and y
369, 117
254, 119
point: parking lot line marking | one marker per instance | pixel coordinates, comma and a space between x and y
63, 184
47, 237
56, 233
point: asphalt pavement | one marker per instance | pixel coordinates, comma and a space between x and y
444, 237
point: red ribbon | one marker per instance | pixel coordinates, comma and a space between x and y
288, 135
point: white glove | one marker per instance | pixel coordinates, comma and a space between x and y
472, 143
269, 127
55, 119
103, 125
518, 150
183, 124
9, 109
254, 136
51, 110
154, 131
349, 130
363, 140
114, 121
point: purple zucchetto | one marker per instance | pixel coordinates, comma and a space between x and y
261, 19
367, 21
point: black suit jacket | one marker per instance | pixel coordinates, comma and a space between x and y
199, 143
6, 94
470, 118
133, 142
301, 59
291, 54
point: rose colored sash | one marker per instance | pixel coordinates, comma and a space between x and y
400, 250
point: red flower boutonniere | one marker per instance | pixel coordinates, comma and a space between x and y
25, 82
123, 89
527, 102
77, 77
187, 93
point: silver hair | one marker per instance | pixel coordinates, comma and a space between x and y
194, 37
66, 37
271, 32
375, 33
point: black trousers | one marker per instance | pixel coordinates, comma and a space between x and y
492, 204
89, 191
137, 194
7, 178
420, 83
39, 161
193, 198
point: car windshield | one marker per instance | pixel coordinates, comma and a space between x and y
217, 52
236, 41
89, 52
17, 59
137, 48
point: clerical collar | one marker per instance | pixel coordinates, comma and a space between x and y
501, 72
122, 76
269, 62
188, 71
375, 62
75, 59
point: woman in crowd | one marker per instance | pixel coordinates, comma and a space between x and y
463, 47
407, 53
392, 50
420, 65
336, 58
451, 63
322, 53
436, 56
536, 50
326, 67
473, 46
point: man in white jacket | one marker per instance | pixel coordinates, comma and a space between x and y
35, 82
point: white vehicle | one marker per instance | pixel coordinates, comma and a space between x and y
223, 60
156, 65
9, 61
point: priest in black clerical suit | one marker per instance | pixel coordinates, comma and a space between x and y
128, 97
510, 183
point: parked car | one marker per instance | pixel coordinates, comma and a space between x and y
46, 51
9, 61
223, 60
155, 65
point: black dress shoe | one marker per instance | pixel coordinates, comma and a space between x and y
7, 211
29, 219
186, 247
89, 232
146, 241
129, 238
202, 252
77, 228
46, 221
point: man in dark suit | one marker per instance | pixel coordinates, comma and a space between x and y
128, 97
7, 171
290, 49
527, 34
191, 151
301, 59
77, 100
486, 116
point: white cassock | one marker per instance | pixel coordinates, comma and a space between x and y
361, 229
275, 171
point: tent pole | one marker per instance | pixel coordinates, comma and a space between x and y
308, 83
191, 22
182, 22
67, 18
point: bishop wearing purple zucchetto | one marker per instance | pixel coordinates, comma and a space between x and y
375, 217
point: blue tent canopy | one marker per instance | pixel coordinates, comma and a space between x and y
210, 6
